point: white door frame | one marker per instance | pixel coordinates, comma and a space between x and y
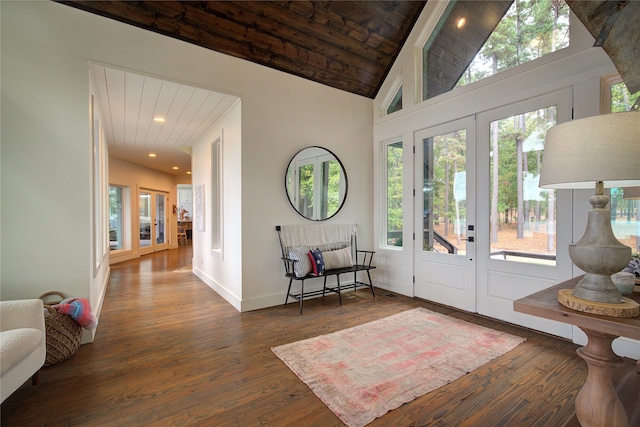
154, 246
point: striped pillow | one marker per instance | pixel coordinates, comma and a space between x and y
303, 265
340, 258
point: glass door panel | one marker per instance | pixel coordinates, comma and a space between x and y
145, 219
160, 222
444, 193
522, 217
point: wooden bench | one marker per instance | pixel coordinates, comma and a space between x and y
333, 241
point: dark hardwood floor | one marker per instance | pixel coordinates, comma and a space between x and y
170, 351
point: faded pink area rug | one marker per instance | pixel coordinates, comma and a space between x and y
361, 373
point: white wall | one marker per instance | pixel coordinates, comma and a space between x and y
278, 120
46, 161
221, 271
46, 47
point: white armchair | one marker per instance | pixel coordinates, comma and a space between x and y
23, 347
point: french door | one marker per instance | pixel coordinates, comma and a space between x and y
485, 234
522, 241
153, 221
445, 261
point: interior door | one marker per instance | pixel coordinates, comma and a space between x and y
445, 267
153, 221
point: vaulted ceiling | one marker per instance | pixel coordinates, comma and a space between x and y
349, 45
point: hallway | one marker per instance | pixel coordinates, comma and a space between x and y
170, 351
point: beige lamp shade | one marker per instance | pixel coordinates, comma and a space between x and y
600, 148
632, 193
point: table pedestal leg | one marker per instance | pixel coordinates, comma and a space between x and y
597, 403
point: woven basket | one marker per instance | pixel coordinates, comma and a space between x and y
63, 332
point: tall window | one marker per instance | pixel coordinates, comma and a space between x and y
463, 48
116, 218
216, 195
522, 216
394, 170
625, 212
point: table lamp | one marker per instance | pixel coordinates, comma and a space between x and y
601, 152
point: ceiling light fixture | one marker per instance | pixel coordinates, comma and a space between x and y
159, 119
152, 154
188, 172
175, 168
461, 22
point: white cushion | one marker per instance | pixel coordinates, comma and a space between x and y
303, 266
16, 345
340, 258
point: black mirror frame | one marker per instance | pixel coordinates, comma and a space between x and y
346, 183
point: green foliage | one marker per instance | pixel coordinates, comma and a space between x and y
510, 130
621, 98
333, 190
394, 190
306, 188
529, 30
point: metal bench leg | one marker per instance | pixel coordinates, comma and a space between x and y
324, 286
355, 280
301, 295
286, 300
371, 284
339, 294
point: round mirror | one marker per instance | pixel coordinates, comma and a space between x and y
316, 183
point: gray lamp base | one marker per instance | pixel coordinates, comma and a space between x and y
599, 254
596, 287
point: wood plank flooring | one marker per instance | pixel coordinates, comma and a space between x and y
169, 351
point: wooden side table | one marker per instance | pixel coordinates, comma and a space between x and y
597, 403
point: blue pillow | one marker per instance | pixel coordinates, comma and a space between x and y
317, 262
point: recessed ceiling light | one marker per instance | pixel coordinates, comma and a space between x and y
175, 168
188, 172
461, 22
152, 154
159, 119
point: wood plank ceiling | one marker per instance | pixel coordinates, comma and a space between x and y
349, 45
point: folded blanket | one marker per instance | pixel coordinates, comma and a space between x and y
80, 310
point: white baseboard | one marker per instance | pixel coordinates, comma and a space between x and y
221, 290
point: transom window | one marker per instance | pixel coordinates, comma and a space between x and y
474, 40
